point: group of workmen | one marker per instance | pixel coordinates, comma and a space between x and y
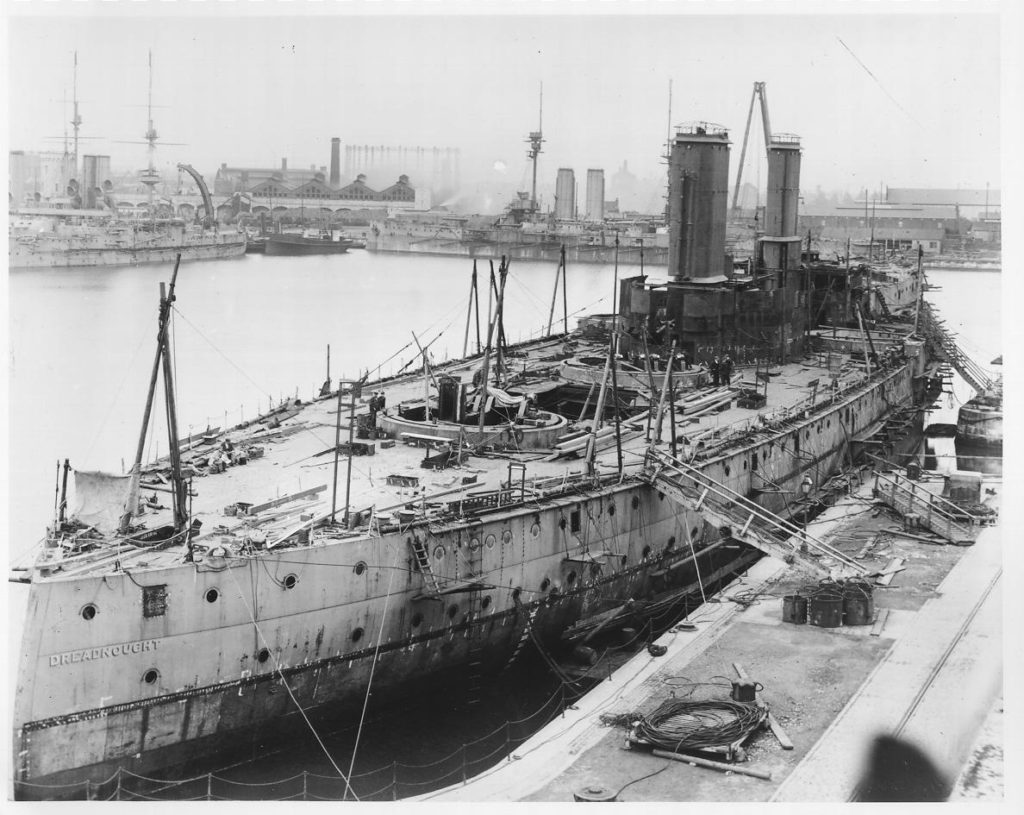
376, 404
721, 371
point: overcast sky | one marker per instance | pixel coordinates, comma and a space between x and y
249, 90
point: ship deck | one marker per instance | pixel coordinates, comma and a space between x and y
928, 672
293, 481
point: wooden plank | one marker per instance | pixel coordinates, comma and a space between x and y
886, 575
285, 499
780, 734
714, 765
881, 617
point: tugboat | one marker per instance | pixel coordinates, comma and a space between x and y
322, 243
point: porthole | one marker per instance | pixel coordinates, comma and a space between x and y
88, 611
150, 676
359, 568
212, 595
693, 533
635, 502
474, 544
535, 530
544, 584
453, 609
438, 553
561, 522
289, 581
570, 578
661, 496
728, 470
645, 552
485, 603
357, 634
417, 618
263, 655
671, 542
744, 464
611, 509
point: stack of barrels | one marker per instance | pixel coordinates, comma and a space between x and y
830, 604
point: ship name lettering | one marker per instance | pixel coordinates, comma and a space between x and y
89, 654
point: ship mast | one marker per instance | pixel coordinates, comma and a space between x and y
535, 141
76, 120
163, 353
149, 176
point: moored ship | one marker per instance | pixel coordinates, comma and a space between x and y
74, 238
284, 243
119, 243
158, 636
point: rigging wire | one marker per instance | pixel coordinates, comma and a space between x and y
369, 683
879, 83
287, 687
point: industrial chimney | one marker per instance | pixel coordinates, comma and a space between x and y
335, 161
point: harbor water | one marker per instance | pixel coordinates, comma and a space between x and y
250, 332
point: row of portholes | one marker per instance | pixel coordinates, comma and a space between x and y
90, 610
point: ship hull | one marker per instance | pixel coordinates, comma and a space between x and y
124, 256
175, 734
549, 251
85, 706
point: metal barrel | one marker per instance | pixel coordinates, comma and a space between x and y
858, 603
794, 609
825, 609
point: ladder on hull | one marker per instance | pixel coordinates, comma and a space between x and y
746, 520
934, 512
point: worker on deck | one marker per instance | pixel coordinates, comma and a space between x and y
716, 371
726, 370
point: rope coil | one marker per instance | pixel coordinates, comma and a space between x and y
680, 726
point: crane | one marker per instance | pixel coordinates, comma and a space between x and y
761, 94
205, 193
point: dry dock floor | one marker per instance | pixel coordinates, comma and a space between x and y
931, 677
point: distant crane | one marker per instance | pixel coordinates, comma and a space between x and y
759, 93
203, 191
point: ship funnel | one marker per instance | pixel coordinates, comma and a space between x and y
781, 229
698, 201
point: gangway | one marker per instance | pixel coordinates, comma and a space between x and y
747, 520
944, 344
934, 512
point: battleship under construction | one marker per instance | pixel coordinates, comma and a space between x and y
500, 519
